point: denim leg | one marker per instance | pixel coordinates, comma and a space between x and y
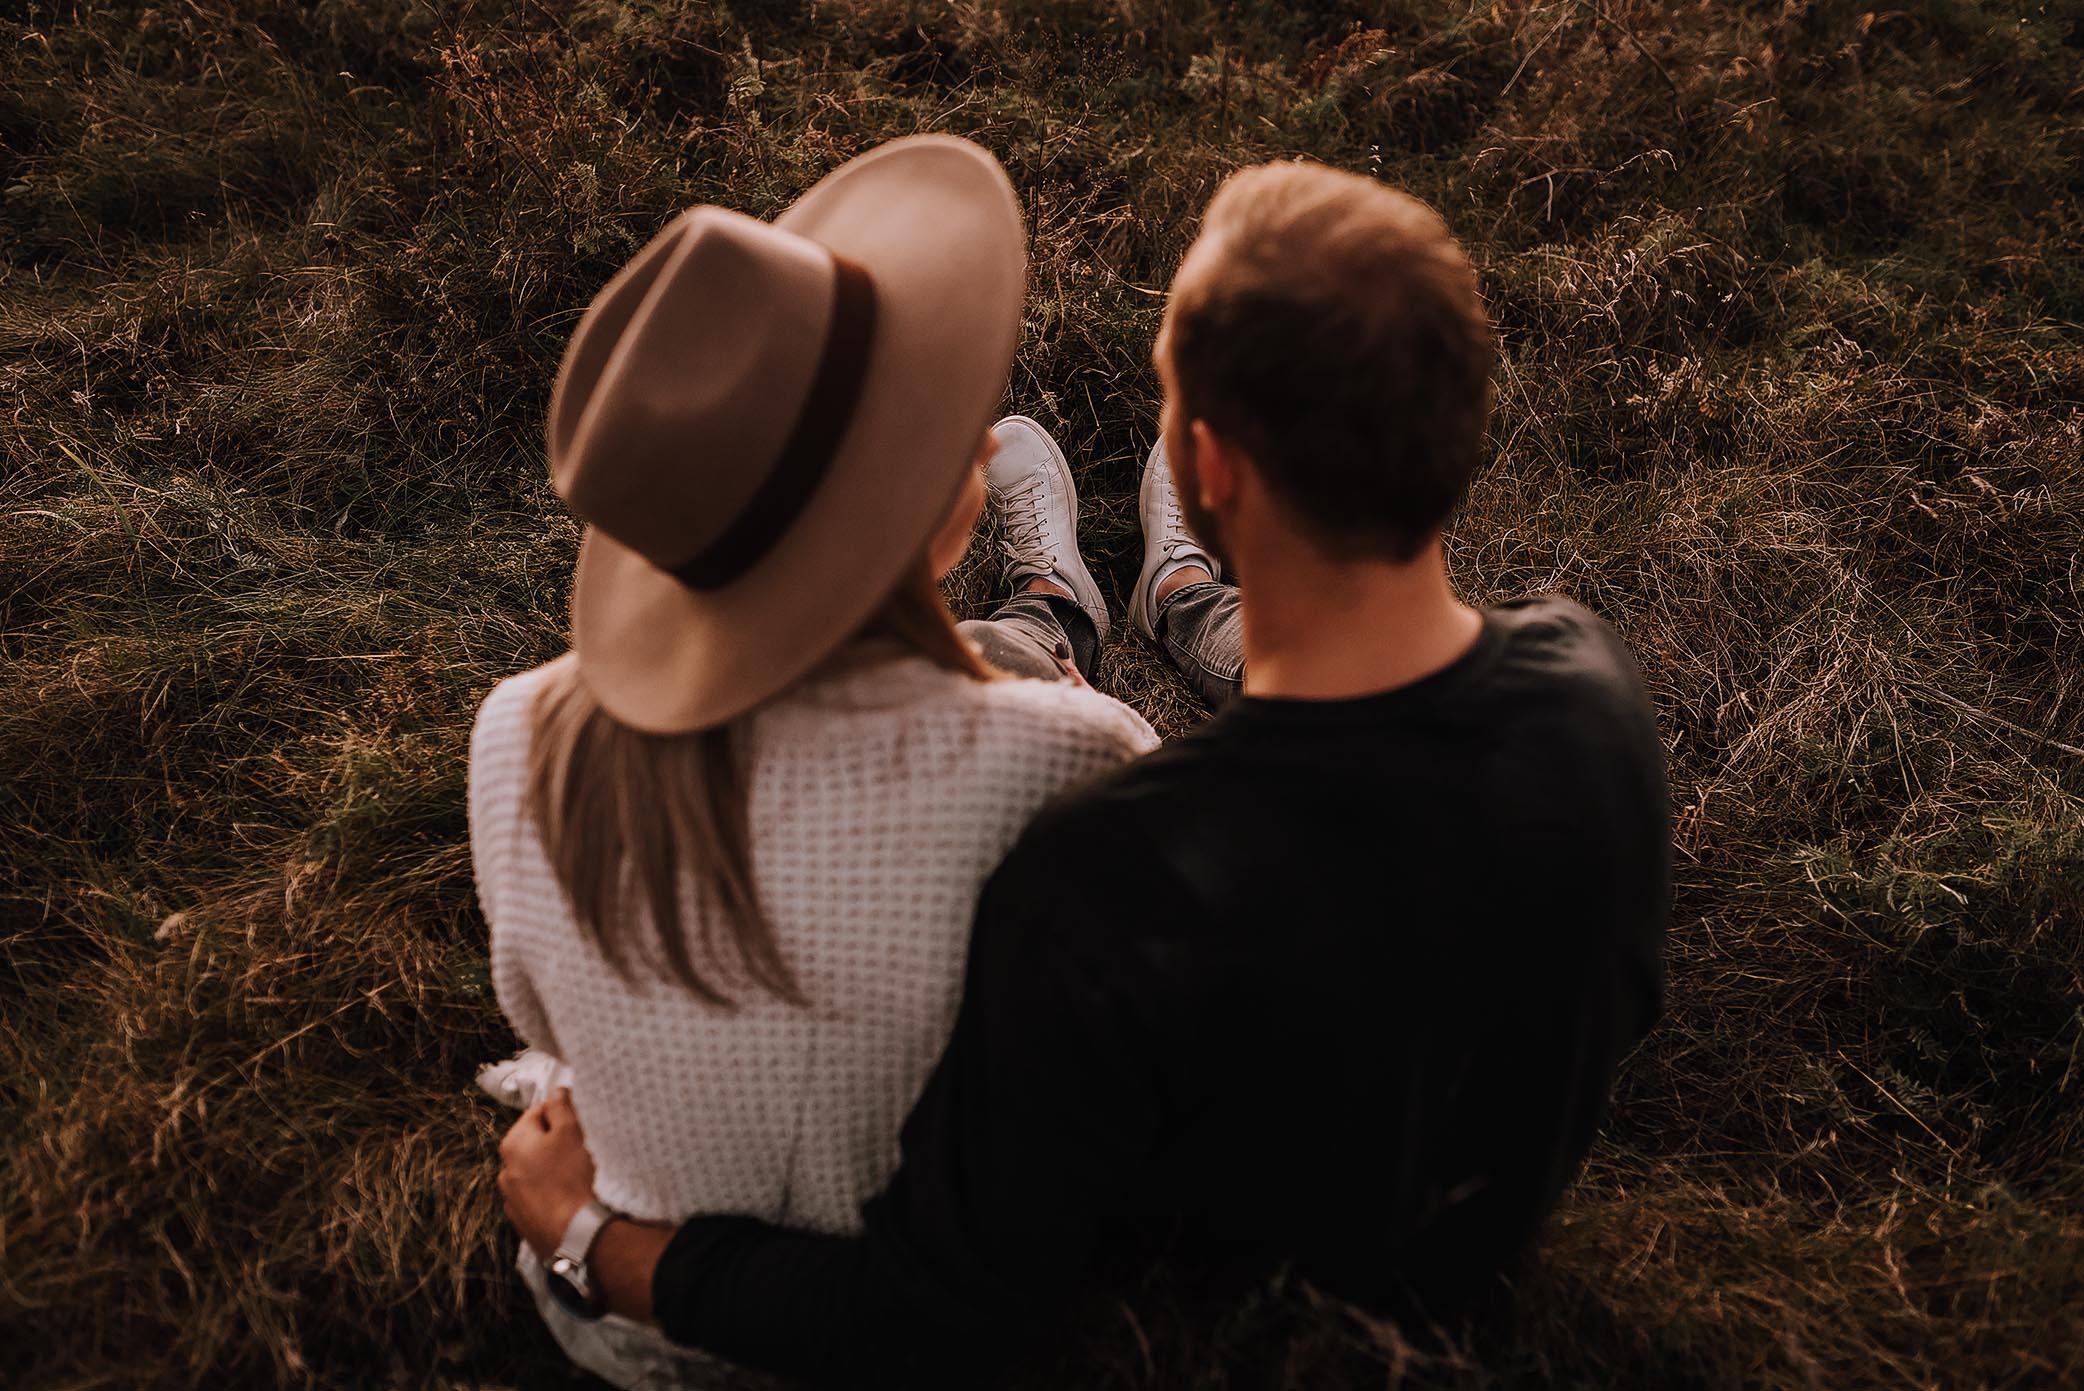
1030, 634
1203, 633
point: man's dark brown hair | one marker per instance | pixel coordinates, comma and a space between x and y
1338, 337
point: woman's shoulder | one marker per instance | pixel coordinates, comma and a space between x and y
505, 718
1007, 710
1061, 714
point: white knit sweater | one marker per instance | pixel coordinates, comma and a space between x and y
879, 802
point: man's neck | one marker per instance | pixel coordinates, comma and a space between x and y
1321, 630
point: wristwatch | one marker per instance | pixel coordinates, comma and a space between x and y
569, 1276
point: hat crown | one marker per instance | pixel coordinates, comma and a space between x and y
780, 417
686, 379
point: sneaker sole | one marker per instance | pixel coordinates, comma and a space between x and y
1084, 588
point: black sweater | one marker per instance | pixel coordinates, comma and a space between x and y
1340, 985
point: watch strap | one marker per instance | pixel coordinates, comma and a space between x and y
584, 1228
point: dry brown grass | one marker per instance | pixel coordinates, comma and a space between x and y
1790, 296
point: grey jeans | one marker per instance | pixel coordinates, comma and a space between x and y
1198, 626
1035, 634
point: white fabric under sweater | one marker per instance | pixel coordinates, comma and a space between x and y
880, 800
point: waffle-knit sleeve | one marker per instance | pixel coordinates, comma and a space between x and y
1069, 734
498, 781
1119, 733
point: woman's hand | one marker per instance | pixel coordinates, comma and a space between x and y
545, 1173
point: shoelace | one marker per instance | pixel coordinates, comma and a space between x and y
1021, 513
1179, 537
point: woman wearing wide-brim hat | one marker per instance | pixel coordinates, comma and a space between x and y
730, 845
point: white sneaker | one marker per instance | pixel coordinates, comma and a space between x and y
1030, 484
1168, 547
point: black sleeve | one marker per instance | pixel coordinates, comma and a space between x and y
1038, 1119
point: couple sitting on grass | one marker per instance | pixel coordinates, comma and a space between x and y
902, 985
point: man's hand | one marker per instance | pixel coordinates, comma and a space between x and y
545, 1173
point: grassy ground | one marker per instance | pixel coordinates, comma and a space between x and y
1790, 295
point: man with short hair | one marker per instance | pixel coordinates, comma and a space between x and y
1337, 983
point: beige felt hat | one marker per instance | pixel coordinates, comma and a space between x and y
763, 424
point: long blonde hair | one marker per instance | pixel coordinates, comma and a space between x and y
625, 815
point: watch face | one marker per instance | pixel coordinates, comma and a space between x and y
567, 1282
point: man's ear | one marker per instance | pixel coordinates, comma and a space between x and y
1215, 468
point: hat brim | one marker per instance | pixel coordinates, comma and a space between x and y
935, 222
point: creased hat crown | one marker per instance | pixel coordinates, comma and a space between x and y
767, 423
687, 378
